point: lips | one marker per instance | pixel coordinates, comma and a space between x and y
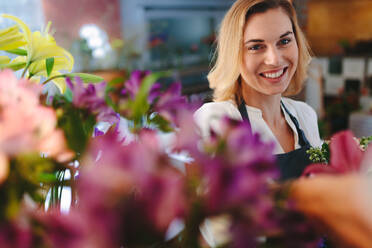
274, 74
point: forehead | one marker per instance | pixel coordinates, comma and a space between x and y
268, 25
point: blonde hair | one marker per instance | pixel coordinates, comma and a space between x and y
225, 74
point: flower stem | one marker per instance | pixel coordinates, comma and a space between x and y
25, 70
54, 77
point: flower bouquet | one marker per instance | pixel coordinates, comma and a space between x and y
105, 143
342, 154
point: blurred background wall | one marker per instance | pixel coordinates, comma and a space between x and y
334, 23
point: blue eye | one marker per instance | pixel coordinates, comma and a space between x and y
255, 47
284, 41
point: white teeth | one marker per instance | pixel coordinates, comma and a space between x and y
273, 75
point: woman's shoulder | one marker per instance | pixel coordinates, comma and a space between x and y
216, 108
307, 119
209, 115
299, 108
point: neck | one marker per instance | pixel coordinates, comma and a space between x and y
268, 104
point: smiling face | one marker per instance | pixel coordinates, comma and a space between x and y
270, 53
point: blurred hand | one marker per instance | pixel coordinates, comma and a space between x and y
340, 204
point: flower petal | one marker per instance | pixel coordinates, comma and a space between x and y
318, 169
345, 152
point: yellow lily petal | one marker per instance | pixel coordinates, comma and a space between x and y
26, 30
9, 31
16, 64
11, 38
60, 63
4, 60
46, 47
59, 82
41, 46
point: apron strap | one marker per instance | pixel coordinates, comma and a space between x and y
302, 140
243, 111
301, 135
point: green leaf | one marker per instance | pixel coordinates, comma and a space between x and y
87, 78
18, 51
49, 64
77, 125
140, 106
161, 123
116, 81
47, 177
68, 94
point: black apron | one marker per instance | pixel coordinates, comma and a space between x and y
293, 163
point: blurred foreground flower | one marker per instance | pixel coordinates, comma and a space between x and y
30, 126
346, 155
31, 148
128, 198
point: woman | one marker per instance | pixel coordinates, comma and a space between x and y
262, 56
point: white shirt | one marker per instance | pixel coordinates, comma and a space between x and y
210, 114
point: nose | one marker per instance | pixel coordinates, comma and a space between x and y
273, 56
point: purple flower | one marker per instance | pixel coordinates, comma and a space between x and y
236, 169
15, 235
170, 103
63, 230
92, 98
133, 84
130, 193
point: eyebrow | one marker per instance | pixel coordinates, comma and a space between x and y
259, 40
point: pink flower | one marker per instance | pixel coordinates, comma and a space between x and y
346, 156
30, 127
14, 92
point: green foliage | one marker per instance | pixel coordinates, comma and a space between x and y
87, 78
138, 109
365, 141
78, 125
18, 51
49, 64
161, 123
319, 154
322, 154
30, 174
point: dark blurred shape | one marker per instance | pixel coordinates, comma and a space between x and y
335, 65
352, 85
361, 47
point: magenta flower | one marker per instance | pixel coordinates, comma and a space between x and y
92, 97
345, 156
15, 235
170, 103
63, 230
133, 84
130, 194
235, 170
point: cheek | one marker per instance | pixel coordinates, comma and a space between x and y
250, 64
294, 55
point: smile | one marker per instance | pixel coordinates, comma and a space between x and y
274, 75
